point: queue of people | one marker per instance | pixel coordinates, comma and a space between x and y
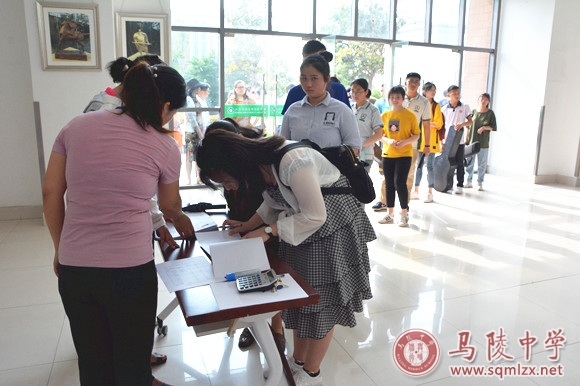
109, 292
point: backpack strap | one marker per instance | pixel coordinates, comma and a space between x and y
286, 149
312, 145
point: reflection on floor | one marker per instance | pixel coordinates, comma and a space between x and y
505, 260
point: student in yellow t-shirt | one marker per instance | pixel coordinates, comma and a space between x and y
400, 131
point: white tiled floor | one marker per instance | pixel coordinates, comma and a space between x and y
508, 257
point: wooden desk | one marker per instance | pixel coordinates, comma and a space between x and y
200, 309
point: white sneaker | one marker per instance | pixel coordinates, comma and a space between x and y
404, 222
459, 190
480, 187
304, 379
469, 185
295, 368
388, 219
429, 198
414, 195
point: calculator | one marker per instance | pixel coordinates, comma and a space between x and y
257, 281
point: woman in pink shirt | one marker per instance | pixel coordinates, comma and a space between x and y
107, 165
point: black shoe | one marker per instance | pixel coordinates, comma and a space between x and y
246, 339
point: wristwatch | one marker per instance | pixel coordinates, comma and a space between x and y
268, 230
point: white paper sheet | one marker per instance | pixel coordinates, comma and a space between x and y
206, 239
238, 256
202, 222
185, 273
227, 295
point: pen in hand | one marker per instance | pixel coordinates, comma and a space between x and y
230, 226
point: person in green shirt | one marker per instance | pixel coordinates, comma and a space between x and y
483, 123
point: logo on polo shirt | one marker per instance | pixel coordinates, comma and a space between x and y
329, 119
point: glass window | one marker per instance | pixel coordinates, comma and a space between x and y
374, 19
475, 76
258, 69
292, 16
360, 60
443, 72
335, 17
411, 20
478, 23
195, 13
196, 56
445, 22
246, 14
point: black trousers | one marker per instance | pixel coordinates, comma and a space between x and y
396, 171
112, 319
459, 156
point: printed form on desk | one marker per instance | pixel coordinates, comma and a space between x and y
229, 254
235, 255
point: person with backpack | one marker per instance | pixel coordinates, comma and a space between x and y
457, 115
323, 237
437, 128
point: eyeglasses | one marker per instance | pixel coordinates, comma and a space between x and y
414, 81
357, 92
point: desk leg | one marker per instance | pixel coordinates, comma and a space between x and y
264, 337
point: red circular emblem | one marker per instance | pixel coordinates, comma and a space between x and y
416, 352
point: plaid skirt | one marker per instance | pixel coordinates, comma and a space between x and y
335, 261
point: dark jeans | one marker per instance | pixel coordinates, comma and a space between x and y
112, 319
396, 171
459, 156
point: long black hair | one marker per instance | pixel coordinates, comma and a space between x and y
147, 88
237, 156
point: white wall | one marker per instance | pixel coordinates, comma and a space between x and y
19, 171
522, 66
61, 94
561, 136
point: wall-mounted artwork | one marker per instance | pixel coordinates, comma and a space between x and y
142, 34
69, 36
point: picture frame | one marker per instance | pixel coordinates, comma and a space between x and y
69, 35
142, 34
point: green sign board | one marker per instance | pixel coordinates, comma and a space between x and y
234, 111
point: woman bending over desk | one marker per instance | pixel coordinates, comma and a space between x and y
322, 237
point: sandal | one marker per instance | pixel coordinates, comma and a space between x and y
246, 339
158, 359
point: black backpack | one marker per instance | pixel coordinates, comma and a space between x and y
361, 185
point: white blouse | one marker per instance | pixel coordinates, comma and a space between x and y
305, 171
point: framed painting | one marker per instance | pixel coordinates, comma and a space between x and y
69, 35
142, 34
